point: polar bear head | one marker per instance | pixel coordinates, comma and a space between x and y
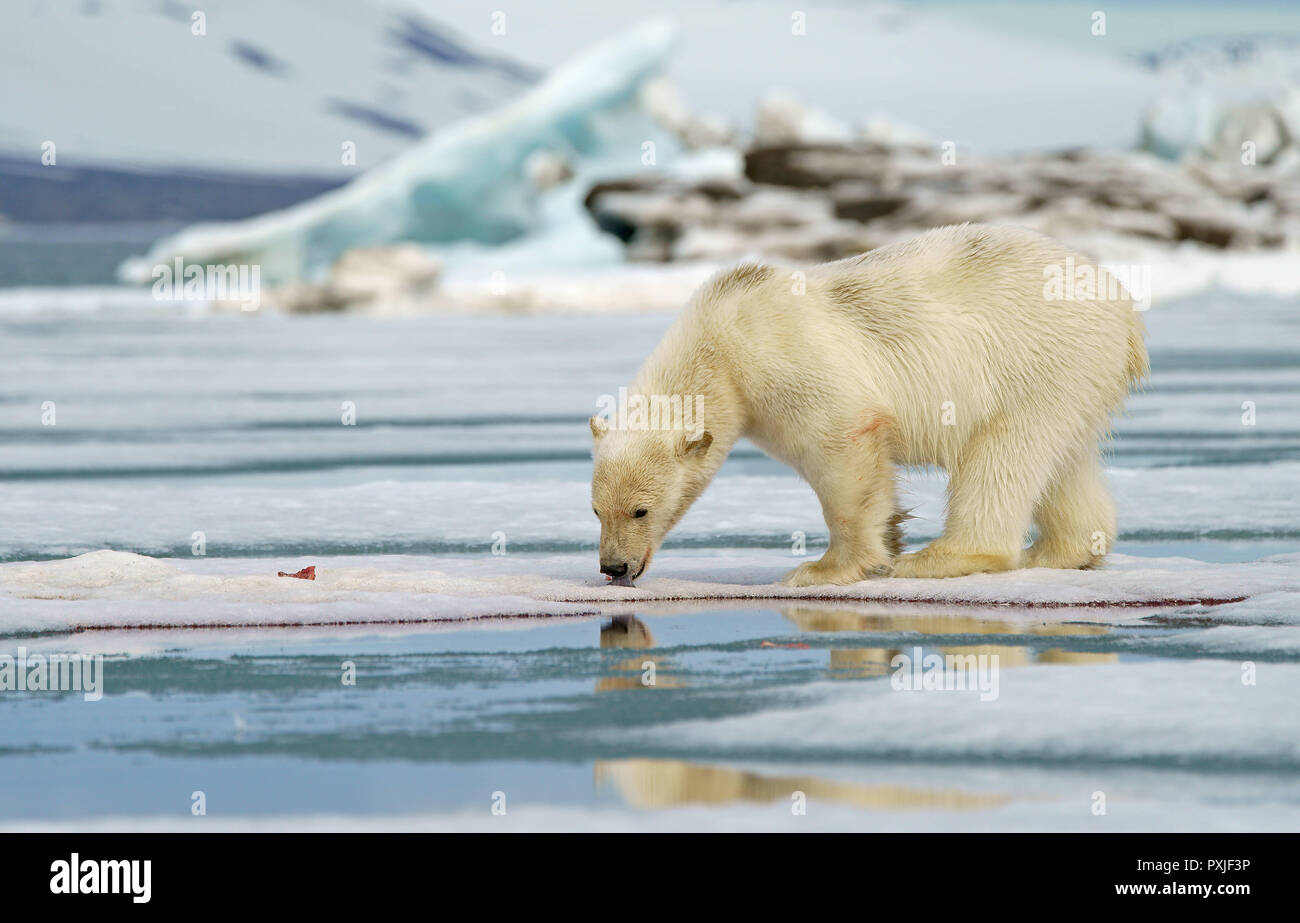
643, 482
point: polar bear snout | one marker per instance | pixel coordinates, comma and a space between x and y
622, 573
626, 547
619, 573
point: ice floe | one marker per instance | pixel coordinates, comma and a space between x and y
131, 590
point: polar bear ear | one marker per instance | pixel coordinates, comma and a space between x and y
694, 446
599, 427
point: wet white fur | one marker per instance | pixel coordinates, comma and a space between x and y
850, 375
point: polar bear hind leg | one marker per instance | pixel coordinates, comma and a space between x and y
1075, 518
992, 497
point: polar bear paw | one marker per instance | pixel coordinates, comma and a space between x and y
933, 562
816, 573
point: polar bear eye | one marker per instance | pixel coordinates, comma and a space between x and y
596, 511
639, 513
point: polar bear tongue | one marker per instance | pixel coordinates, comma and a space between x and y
625, 580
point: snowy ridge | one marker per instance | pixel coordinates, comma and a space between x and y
131, 590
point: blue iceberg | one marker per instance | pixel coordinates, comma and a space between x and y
464, 184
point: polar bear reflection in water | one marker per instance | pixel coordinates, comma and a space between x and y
653, 784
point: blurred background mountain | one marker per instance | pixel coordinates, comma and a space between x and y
129, 120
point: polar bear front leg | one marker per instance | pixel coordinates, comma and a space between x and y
858, 501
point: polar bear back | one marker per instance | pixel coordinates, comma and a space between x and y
942, 334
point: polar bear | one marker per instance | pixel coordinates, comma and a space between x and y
960, 348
